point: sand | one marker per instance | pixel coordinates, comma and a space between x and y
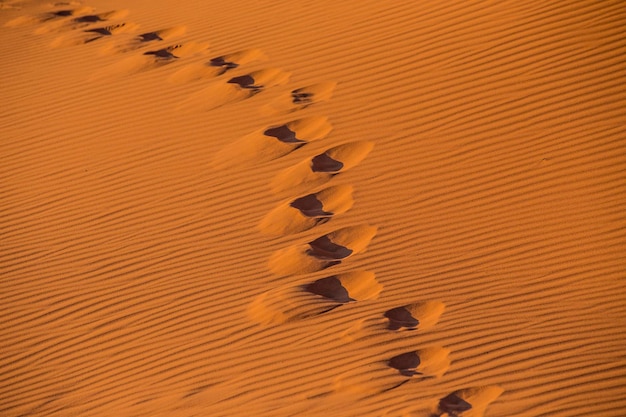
313, 208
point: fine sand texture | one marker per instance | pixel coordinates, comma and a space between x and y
313, 208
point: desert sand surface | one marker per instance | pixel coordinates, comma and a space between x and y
313, 208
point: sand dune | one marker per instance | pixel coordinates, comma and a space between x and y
313, 208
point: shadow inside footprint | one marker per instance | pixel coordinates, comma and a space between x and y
283, 134
453, 404
221, 62
150, 37
245, 82
407, 363
62, 13
323, 248
400, 317
103, 31
476, 399
165, 53
330, 287
92, 18
430, 362
421, 314
324, 163
310, 206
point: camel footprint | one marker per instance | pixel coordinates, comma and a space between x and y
467, 402
425, 362
154, 59
290, 303
305, 212
420, 315
374, 377
219, 93
94, 34
273, 142
323, 252
145, 39
301, 98
319, 169
217, 66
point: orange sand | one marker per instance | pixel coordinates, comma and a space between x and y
313, 208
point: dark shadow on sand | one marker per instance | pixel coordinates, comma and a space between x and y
323, 248
400, 317
324, 163
310, 206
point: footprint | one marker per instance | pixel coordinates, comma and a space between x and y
217, 66
427, 362
376, 377
422, 315
79, 20
347, 286
304, 213
272, 142
301, 98
321, 168
154, 59
468, 402
91, 35
289, 303
101, 17
325, 251
426, 313
104, 31
284, 304
181, 50
236, 88
145, 39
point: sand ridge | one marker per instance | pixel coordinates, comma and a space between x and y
312, 208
